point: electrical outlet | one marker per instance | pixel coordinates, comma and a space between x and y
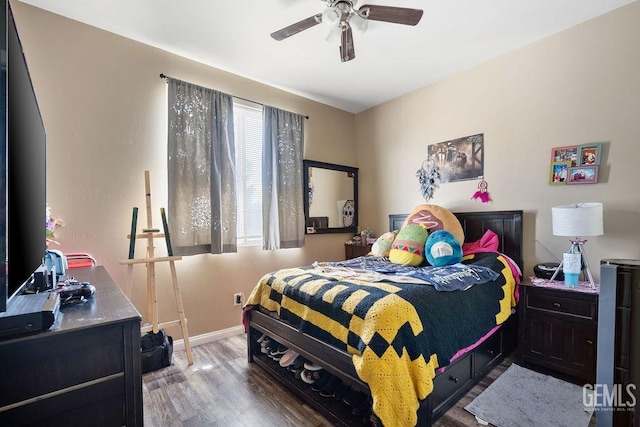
237, 299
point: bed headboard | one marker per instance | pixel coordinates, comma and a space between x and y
506, 224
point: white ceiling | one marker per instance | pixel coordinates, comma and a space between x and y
391, 59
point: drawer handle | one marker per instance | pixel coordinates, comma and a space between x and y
556, 304
454, 379
490, 352
589, 342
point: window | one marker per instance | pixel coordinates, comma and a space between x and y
247, 123
221, 193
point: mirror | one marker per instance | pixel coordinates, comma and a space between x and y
330, 198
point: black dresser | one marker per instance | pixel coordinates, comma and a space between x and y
618, 361
85, 370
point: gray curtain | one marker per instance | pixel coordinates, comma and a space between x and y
282, 181
201, 169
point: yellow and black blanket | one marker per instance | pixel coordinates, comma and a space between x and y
397, 333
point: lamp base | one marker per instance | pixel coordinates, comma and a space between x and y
577, 247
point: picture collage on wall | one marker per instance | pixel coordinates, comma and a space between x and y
575, 164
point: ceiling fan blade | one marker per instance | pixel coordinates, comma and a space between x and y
297, 27
347, 51
396, 15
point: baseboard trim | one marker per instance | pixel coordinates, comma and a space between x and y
209, 337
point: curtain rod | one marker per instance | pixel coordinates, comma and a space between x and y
164, 76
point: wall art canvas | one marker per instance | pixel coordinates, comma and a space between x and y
460, 159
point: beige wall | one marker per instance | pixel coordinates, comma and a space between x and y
104, 109
579, 86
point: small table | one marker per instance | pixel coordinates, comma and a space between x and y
558, 327
353, 250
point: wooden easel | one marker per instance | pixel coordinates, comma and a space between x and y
150, 261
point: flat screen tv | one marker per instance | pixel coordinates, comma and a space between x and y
22, 226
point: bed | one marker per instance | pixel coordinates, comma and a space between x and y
414, 383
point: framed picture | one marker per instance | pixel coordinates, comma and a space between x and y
459, 159
589, 154
564, 154
559, 172
583, 175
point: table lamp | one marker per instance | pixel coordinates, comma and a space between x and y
576, 220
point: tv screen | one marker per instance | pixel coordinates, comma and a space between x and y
25, 228
3, 158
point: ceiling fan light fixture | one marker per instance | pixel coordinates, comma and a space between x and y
358, 23
330, 15
342, 18
334, 35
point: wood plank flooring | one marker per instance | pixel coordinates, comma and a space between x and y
222, 389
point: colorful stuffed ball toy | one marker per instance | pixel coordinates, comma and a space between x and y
435, 217
382, 246
408, 246
442, 248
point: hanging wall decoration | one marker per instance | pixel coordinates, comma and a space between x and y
575, 164
459, 159
562, 158
583, 175
590, 154
482, 192
428, 178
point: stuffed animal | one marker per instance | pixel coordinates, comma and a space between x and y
442, 248
435, 217
408, 246
382, 246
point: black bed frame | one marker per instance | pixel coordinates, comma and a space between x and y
449, 386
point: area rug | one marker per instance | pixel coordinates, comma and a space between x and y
521, 397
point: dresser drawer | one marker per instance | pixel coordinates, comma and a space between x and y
84, 356
566, 306
447, 384
99, 404
487, 352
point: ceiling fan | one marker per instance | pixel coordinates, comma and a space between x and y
342, 15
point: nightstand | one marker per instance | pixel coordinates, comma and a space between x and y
353, 250
558, 329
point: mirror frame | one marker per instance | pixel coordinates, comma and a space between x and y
331, 166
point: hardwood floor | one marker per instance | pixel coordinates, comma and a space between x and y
222, 389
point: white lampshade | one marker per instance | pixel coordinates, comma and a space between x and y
577, 220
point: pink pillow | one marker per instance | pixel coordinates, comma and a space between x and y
489, 242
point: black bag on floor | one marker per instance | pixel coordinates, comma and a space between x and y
157, 349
